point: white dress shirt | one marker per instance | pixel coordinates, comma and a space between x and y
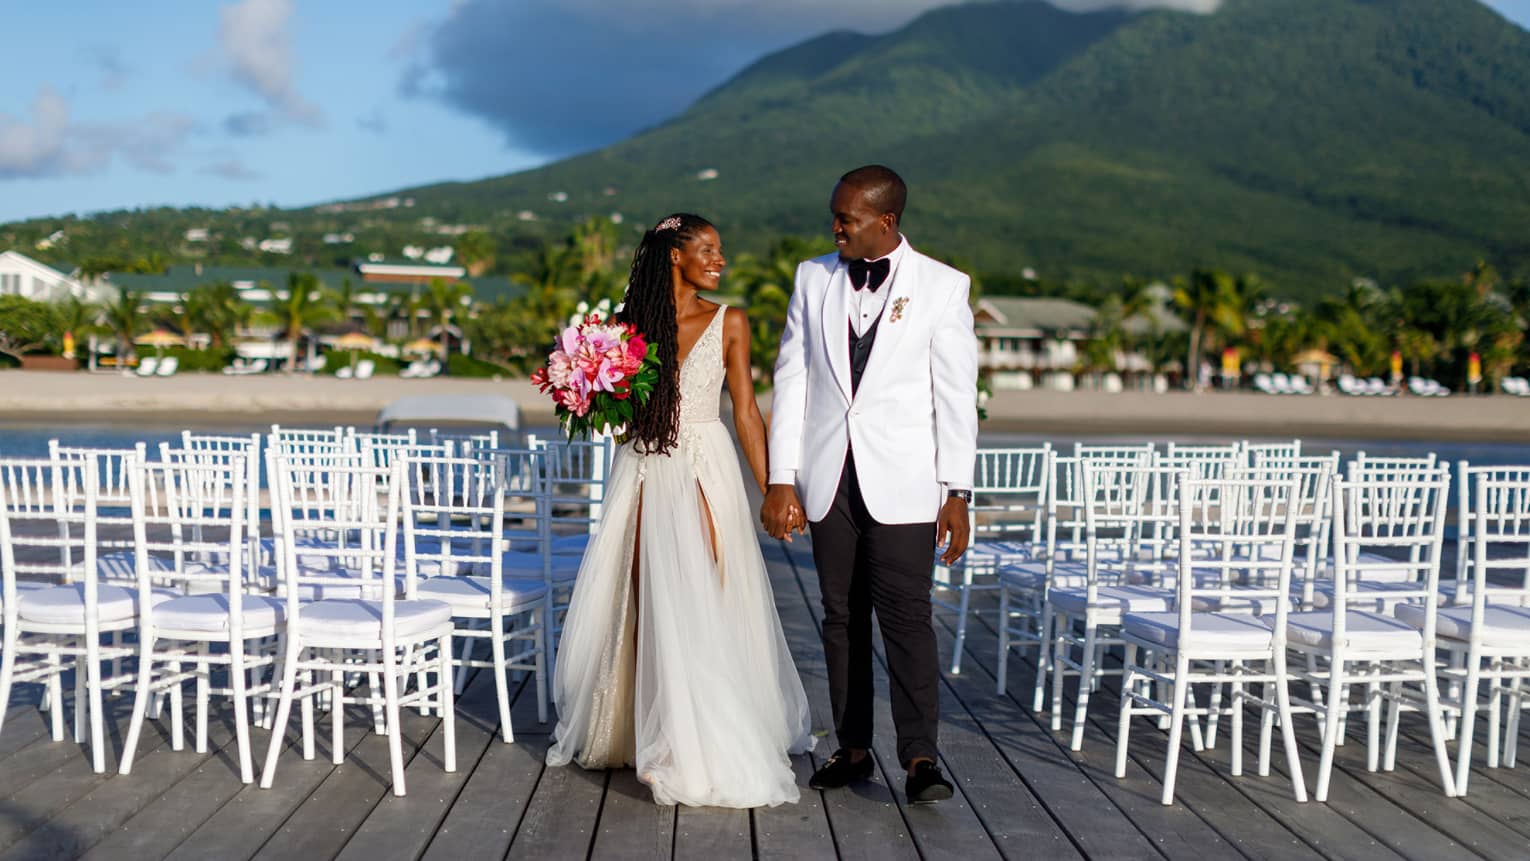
866, 306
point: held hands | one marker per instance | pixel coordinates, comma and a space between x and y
782, 513
952, 524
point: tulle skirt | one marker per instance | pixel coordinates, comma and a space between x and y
686, 677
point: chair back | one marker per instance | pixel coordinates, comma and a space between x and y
1237, 537
1389, 522
1254, 451
1499, 542
576, 472
1009, 494
212, 458
1364, 467
1203, 460
1467, 501
1314, 483
454, 517
465, 444
344, 515
1123, 502
47, 522
194, 507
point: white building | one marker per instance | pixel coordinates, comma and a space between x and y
22, 276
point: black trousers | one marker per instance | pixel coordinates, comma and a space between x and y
863, 566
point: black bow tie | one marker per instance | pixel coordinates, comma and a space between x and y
869, 273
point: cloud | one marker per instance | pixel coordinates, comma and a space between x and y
248, 124
52, 144
560, 76
108, 60
257, 47
232, 169
375, 122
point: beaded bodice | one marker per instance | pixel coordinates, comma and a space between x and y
701, 374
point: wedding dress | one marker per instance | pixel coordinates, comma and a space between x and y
686, 677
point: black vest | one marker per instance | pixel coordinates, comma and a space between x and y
860, 351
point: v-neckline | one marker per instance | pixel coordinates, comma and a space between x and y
680, 363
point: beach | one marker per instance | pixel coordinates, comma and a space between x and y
211, 400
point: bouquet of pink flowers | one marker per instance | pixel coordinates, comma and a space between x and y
595, 374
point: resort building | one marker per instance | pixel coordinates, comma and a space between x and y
22, 276
1028, 342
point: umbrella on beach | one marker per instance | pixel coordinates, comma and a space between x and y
423, 345
355, 341
159, 339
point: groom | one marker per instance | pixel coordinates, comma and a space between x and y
875, 424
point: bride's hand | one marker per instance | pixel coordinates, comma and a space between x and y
782, 513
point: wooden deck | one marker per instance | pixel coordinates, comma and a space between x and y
1020, 793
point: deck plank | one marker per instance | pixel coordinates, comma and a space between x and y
631, 825
403, 827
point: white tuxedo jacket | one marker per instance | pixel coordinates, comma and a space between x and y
912, 423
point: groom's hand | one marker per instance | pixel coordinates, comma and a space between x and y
782, 512
952, 524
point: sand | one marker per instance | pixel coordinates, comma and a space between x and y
210, 400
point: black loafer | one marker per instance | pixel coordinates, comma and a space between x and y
927, 785
840, 771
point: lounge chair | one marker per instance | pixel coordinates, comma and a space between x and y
167, 367
1516, 386
147, 366
1263, 383
1299, 385
241, 367
365, 368
344, 373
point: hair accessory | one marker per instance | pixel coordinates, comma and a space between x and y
670, 223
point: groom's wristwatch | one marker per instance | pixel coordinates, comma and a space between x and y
963, 495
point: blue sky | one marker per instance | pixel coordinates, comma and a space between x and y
109, 105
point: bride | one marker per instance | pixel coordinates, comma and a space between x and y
672, 658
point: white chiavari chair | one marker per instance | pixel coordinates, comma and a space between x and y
454, 515
1255, 451
1123, 502
1489, 635
1355, 646
323, 638
47, 522
1025, 616
193, 505
1242, 530
1005, 523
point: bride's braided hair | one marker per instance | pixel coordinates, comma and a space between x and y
650, 306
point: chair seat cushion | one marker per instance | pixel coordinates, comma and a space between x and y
210, 613
1033, 575
63, 605
26, 586
1114, 599
123, 566
1257, 603
517, 564
1501, 626
1376, 596
562, 545
1208, 631
1375, 567
1365, 632
991, 553
517, 592
355, 617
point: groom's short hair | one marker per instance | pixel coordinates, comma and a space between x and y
882, 185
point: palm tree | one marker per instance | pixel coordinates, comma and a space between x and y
303, 307
218, 310
443, 299
77, 318
1201, 296
124, 316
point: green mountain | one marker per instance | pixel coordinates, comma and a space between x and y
1308, 141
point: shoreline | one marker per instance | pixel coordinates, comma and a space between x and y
32, 398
